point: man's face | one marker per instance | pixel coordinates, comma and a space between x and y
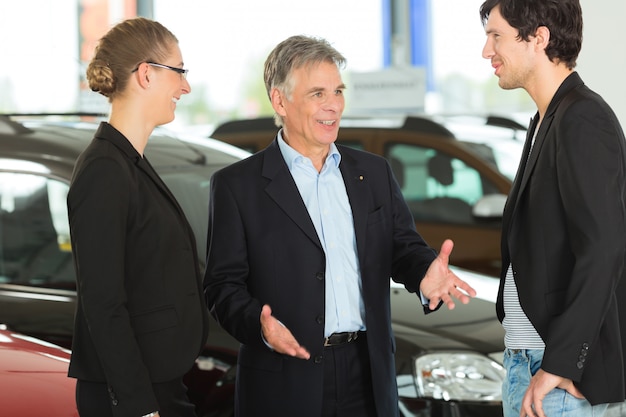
512, 57
312, 110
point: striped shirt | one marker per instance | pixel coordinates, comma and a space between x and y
519, 331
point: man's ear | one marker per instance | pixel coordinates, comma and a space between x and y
277, 99
542, 37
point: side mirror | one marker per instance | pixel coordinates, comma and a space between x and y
490, 206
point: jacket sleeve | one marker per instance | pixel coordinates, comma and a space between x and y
591, 180
227, 270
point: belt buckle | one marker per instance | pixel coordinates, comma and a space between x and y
351, 337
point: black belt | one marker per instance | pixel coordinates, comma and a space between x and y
336, 339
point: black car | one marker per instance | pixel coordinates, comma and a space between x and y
448, 363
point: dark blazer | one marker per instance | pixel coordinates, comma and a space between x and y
141, 316
564, 232
263, 249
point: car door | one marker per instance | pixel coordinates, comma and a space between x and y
37, 279
442, 180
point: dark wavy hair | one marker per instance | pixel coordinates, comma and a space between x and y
562, 17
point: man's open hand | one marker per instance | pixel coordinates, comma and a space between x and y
440, 284
279, 337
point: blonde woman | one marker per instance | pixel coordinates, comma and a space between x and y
141, 319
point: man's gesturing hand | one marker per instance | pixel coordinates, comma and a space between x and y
279, 337
441, 284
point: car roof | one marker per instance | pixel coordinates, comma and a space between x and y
434, 124
51, 145
423, 124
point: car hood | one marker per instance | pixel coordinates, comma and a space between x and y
33, 378
471, 326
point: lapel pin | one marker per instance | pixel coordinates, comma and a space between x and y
360, 177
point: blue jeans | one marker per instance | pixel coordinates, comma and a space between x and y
520, 366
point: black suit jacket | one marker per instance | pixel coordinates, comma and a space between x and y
564, 232
141, 316
263, 249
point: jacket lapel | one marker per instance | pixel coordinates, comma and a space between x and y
355, 177
144, 165
283, 190
109, 133
512, 200
528, 161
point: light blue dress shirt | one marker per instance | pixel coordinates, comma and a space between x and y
326, 200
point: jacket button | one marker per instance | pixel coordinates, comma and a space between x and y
319, 319
320, 276
112, 395
580, 365
318, 359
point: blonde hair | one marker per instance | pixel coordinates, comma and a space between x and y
122, 49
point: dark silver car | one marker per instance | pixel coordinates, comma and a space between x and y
448, 363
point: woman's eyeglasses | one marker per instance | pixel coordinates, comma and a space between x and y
183, 72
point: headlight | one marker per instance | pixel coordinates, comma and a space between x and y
459, 376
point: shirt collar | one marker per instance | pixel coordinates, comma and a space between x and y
290, 155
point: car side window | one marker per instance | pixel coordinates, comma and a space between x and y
34, 232
436, 186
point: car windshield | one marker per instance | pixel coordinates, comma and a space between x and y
502, 146
503, 155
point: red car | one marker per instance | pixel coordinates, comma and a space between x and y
33, 378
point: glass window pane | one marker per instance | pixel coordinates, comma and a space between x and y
34, 244
437, 187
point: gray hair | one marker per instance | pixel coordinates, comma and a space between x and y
293, 53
